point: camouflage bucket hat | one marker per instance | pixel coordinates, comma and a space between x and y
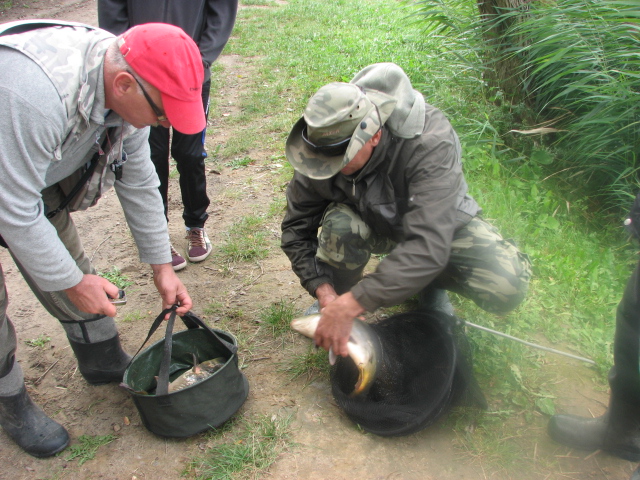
339, 119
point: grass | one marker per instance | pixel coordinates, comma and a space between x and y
116, 277
38, 342
87, 447
574, 64
278, 317
245, 451
239, 163
310, 364
132, 317
246, 240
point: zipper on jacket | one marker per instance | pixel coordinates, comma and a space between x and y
353, 191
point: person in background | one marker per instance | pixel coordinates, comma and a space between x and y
209, 23
618, 430
378, 170
71, 94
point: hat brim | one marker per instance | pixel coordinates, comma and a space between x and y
307, 162
317, 166
185, 117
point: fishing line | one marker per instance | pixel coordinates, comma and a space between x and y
540, 347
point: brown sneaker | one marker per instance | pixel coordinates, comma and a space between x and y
199, 245
177, 261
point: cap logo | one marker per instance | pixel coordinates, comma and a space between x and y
330, 132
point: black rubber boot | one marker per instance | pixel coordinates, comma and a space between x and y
616, 432
101, 362
623, 435
579, 432
29, 426
435, 299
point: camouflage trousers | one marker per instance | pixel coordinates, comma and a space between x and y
482, 265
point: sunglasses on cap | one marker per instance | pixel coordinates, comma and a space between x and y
332, 150
162, 117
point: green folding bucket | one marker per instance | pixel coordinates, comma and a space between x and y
206, 404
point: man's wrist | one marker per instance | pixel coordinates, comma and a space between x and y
160, 267
325, 290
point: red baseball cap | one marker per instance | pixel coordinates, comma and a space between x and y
169, 59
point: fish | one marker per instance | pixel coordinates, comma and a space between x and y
363, 346
199, 372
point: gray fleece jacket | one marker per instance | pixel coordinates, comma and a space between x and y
36, 152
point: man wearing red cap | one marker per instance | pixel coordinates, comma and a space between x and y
209, 23
75, 98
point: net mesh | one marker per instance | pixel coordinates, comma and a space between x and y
425, 368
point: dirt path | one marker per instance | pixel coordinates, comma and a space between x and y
328, 446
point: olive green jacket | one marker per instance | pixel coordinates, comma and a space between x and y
411, 190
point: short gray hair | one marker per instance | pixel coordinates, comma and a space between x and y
118, 62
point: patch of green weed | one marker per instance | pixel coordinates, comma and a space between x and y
237, 163
173, 169
311, 364
116, 277
87, 447
278, 316
246, 240
132, 317
246, 450
40, 341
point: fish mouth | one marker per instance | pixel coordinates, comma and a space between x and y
366, 377
366, 351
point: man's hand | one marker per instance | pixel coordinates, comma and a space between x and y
335, 323
90, 295
171, 288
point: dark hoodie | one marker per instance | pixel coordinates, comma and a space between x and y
208, 22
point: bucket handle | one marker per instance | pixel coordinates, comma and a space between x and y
191, 321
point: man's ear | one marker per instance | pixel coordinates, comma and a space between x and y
376, 138
123, 84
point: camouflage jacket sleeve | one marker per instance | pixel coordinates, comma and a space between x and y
300, 232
